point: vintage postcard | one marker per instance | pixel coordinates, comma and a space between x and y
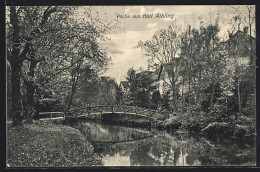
139, 85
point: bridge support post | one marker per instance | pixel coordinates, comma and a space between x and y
88, 111
124, 109
153, 126
112, 109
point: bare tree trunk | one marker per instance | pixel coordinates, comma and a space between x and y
17, 55
174, 90
73, 91
212, 98
182, 96
239, 98
252, 60
16, 94
198, 104
30, 90
37, 109
189, 95
189, 102
16, 65
252, 57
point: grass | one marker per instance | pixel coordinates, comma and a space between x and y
44, 144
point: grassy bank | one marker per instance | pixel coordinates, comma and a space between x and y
44, 144
200, 124
242, 129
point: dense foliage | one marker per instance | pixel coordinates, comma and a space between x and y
206, 78
55, 60
142, 89
52, 54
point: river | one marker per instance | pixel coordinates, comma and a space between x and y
124, 146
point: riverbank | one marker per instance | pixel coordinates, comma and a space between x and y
137, 147
203, 125
241, 129
45, 144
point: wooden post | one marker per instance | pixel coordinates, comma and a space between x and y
51, 115
88, 111
112, 109
153, 125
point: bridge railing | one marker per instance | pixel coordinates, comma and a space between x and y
100, 109
44, 115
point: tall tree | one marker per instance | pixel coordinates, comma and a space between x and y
191, 62
245, 16
205, 61
142, 85
163, 50
44, 38
19, 40
88, 58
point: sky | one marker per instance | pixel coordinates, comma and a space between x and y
122, 41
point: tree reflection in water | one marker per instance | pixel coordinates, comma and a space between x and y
162, 149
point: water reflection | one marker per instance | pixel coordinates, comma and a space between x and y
100, 133
123, 146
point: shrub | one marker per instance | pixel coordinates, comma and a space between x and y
217, 128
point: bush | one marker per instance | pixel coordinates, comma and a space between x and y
240, 131
217, 128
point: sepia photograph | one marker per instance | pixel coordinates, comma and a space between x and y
131, 85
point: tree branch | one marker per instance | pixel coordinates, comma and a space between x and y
46, 15
25, 50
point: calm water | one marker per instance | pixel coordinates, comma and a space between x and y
123, 146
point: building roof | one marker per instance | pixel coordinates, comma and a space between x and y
125, 84
239, 42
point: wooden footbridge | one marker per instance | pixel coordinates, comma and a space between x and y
150, 114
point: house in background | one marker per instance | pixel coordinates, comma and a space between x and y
125, 88
238, 50
165, 71
124, 85
238, 42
